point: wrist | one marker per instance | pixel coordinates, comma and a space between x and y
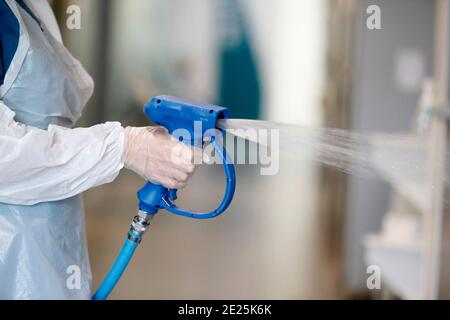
126, 139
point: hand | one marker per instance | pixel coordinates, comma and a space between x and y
155, 156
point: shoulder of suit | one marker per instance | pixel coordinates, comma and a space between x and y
45, 13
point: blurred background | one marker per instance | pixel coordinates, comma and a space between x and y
305, 232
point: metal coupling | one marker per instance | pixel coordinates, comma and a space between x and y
141, 222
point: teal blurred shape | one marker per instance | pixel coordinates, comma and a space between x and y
239, 82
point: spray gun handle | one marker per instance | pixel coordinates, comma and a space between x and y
154, 197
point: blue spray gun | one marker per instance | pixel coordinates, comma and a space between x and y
193, 124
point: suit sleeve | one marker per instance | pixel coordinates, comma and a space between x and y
48, 165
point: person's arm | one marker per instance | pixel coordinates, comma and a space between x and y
48, 165
38, 165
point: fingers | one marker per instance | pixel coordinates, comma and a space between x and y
153, 154
187, 168
173, 176
181, 153
157, 130
172, 183
180, 177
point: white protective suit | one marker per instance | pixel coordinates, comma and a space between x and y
44, 166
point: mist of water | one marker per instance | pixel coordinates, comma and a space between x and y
398, 158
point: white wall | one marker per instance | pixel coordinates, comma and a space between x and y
290, 36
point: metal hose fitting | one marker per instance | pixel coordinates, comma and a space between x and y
139, 226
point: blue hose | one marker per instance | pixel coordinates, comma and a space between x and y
116, 271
